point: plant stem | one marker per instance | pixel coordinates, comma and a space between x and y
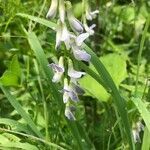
140, 53
44, 103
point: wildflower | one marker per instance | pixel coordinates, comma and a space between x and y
68, 112
73, 73
69, 92
80, 54
62, 10
89, 29
52, 10
90, 15
137, 128
75, 24
76, 86
58, 69
62, 35
80, 39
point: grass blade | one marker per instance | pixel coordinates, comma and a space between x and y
19, 109
141, 106
146, 140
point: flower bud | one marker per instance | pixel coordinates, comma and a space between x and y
52, 10
73, 73
75, 24
62, 10
80, 54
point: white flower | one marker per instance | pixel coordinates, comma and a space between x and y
73, 73
68, 113
80, 39
62, 35
91, 15
89, 29
58, 69
76, 86
80, 54
61, 10
136, 136
137, 128
52, 10
69, 92
75, 24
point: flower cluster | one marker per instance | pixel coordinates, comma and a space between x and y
73, 40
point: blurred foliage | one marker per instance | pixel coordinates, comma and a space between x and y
116, 41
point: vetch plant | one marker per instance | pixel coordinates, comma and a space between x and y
73, 40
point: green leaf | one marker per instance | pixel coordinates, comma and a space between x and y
146, 140
15, 67
116, 66
19, 109
39, 20
12, 76
8, 140
127, 14
15, 125
9, 79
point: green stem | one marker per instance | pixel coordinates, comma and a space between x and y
44, 102
140, 53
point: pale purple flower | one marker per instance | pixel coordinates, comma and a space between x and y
89, 29
53, 9
68, 113
80, 39
75, 24
73, 73
69, 92
76, 86
91, 15
58, 69
80, 54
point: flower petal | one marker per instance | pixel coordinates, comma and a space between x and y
80, 39
89, 29
78, 89
57, 77
65, 34
65, 97
56, 67
58, 34
81, 54
76, 25
69, 114
75, 74
52, 10
72, 94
